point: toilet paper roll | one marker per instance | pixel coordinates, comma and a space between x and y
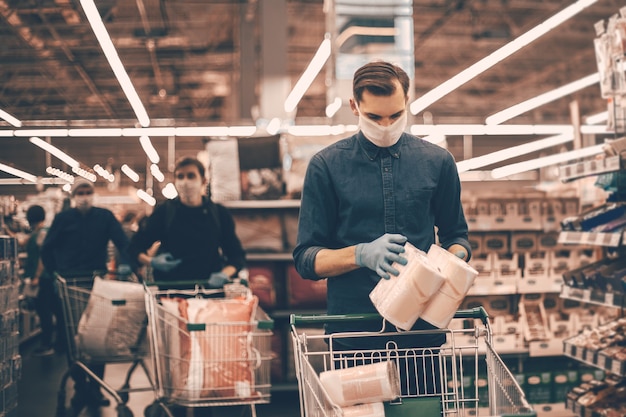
365, 410
459, 278
362, 384
402, 299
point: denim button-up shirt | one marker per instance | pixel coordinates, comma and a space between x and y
354, 192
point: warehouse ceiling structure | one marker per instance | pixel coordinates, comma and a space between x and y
225, 63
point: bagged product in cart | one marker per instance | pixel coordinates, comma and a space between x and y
114, 319
210, 347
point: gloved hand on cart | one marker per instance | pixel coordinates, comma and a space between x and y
164, 262
459, 251
218, 279
124, 270
380, 254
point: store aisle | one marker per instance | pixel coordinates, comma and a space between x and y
41, 377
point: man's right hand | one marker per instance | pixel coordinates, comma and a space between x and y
164, 262
380, 254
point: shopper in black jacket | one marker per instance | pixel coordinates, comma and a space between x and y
197, 236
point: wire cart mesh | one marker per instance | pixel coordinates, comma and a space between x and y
432, 381
122, 321
213, 357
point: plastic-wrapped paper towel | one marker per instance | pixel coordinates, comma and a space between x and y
365, 410
459, 278
402, 299
362, 384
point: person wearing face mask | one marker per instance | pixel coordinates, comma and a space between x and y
365, 196
76, 246
197, 236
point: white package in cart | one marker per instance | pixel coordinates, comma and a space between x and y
362, 384
365, 410
113, 321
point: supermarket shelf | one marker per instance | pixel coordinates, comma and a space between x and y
588, 168
587, 295
612, 240
595, 358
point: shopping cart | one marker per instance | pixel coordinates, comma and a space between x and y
434, 381
212, 357
122, 321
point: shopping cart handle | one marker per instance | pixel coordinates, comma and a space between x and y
473, 313
297, 319
178, 284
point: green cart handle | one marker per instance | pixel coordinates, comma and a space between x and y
296, 319
175, 284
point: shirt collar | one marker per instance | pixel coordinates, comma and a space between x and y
372, 150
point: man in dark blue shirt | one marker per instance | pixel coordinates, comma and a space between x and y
76, 246
366, 195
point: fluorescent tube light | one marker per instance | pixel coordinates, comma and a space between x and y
333, 107
21, 181
216, 131
476, 129
114, 61
7, 133
238, 131
18, 173
60, 174
10, 119
519, 167
169, 191
597, 118
146, 197
85, 174
103, 132
512, 152
58, 133
152, 153
150, 131
541, 99
54, 151
156, 173
309, 74
497, 56
130, 173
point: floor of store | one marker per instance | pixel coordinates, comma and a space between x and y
39, 386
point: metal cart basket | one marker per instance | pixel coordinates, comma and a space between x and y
221, 360
434, 381
131, 345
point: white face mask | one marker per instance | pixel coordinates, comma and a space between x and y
83, 202
383, 136
189, 191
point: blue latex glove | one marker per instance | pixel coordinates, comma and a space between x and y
124, 270
164, 262
460, 254
218, 279
379, 254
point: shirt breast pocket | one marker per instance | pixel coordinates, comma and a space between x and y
414, 209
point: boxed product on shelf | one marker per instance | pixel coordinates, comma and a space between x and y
524, 242
497, 242
506, 273
535, 324
260, 230
304, 293
538, 386
562, 382
476, 243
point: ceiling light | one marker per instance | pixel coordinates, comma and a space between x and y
479, 130
238, 131
146, 197
309, 74
512, 152
156, 173
149, 131
7, 133
152, 153
509, 170
273, 126
18, 173
130, 173
12, 120
54, 151
104, 132
333, 107
597, 118
541, 99
85, 174
114, 61
169, 191
59, 133
497, 56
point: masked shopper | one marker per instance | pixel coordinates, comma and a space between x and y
76, 246
365, 196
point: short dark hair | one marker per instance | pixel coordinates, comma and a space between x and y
35, 214
188, 160
378, 78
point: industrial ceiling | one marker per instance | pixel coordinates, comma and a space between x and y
193, 65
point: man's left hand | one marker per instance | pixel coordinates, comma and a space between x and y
459, 251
